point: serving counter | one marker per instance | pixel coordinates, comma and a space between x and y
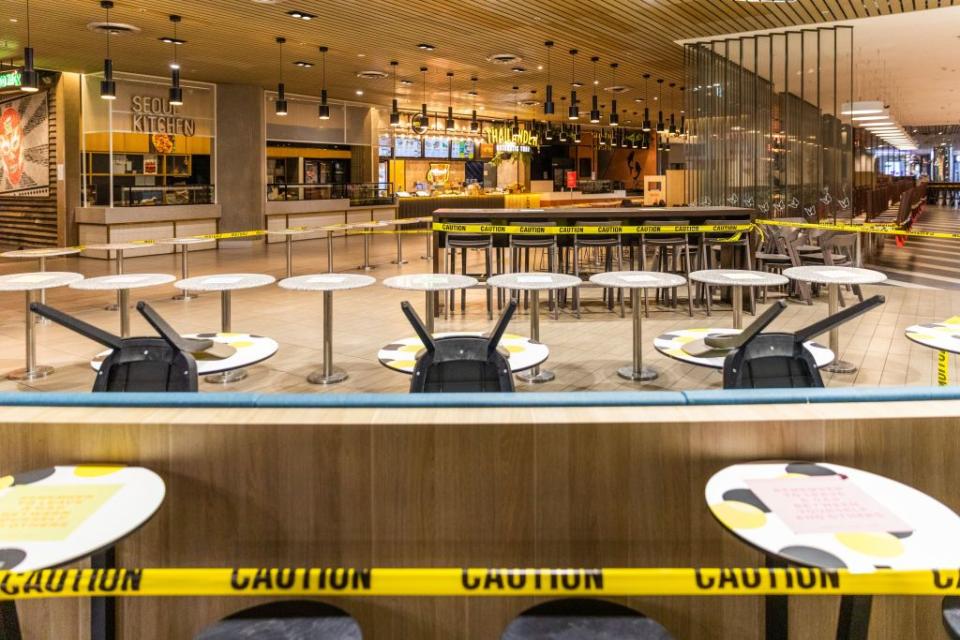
318, 213
106, 225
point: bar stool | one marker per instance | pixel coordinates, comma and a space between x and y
286, 620
667, 254
609, 242
584, 619
520, 246
711, 244
463, 242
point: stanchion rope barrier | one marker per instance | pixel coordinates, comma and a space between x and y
67, 583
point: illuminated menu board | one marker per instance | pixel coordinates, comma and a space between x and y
385, 142
462, 150
407, 147
436, 148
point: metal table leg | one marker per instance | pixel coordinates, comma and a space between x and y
535, 375
854, 620
399, 259
123, 301
366, 266
9, 622
184, 274
114, 305
833, 305
329, 374
32, 371
233, 375
43, 294
737, 306
428, 310
637, 371
289, 256
329, 251
429, 236
103, 610
776, 609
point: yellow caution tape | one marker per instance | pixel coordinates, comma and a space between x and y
231, 234
527, 229
66, 583
943, 368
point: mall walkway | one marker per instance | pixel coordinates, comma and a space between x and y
924, 262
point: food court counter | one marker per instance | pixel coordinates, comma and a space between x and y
318, 213
102, 225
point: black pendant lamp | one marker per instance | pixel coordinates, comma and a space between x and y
281, 90
176, 93
673, 121
576, 134
646, 103
614, 116
29, 79
573, 113
548, 105
516, 120
324, 110
474, 123
108, 88
394, 110
450, 123
423, 106
660, 126
594, 107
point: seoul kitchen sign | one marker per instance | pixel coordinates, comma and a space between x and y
153, 114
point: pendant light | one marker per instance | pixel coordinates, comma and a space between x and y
646, 103
108, 88
673, 122
645, 141
324, 111
516, 120
29, 79
394, 111
563, 132
576, 134
614, 116
660, 126
548, 99
547, 132
423, 106
176, 93
474, 123
594, 108
450, 123
573, 112
281, 90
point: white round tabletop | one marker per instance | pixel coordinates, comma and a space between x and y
534, 281
38, 280
399, 222
42, 252
430, 282
124, 281
178, 241
327, 282
292, 231
249, 350
225, 282
369, 225
741, 277
337, 226
401, 355
671, 344
830, 516
637, 279
56, 515
824, 274
115, 246
944, 336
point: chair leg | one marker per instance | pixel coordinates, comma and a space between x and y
551, 267
489, 263
753, 295
463, 270
576, 290
526, 269
448, 262
686, 248
620, 268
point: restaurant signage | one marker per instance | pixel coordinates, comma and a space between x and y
153, 114
13, 78
507, 141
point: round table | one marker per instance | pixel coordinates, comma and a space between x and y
534, 283
430, 283
833, 277
41, 255
522, 353
634, 280
184, 244
28, 283
887, 524
288, 234
119, 247
943, 336
225, 283
737, 279
327, 283
671, 345
57, 515
366, 227
122, 285
248, 350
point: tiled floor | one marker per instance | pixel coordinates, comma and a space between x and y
585, 353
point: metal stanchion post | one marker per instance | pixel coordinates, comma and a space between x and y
330, 250
289, 256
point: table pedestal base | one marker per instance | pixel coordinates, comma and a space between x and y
840, 366
186, 295
536, 376
645, 374
226, 377
833, 306
38, 372
322, 377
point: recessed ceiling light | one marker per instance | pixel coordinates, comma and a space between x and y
372, 74
169, 40
425, 46
518, 69
359, 92
539, 67
174, 65
504, 58
406, 82
361, 55
300, 15
303, 64
13, 20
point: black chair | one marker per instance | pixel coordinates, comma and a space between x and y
139, 363
286, 620
461, 363
584, 619
779, 360
951, 616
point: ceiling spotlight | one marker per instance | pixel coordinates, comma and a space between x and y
169, 40
300, 15
426, 47
303, 64
359, 92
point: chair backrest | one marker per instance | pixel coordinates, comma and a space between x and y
613, 238
135, 364
779, 360
584, 619
455, 364
723, 235
666, 223
533, 240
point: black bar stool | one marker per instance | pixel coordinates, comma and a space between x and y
463, 242
520, 247
286, 620
584, 619
611, 242
671, 254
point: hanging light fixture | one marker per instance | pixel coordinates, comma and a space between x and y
547, 132
576, 134
660, 126
176, 93
645, 140
573, 112
563, 132
516, 120
594, 107
646, 103
614, 116
29, 79
281, 91
324, 110
474, 123
548, 99
450, 123
673, 122
394, 111
108, 88
423, 106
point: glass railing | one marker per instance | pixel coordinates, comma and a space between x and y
143, 196
370, 193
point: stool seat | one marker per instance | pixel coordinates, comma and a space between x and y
584, 619
286, 620
951, 616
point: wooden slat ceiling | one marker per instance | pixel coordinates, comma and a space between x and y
233, 40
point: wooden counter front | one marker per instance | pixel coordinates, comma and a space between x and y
520, 487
